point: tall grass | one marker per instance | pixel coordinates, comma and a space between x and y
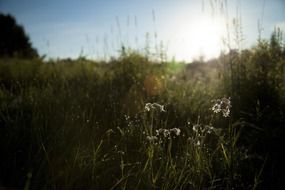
135, 124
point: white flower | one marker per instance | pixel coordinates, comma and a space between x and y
198, 143
151, 138
195, 128
226, 113
216, 108
222, 105
209, 129
156, 132
176, 131
166, 133
148, 106
154, 106
159, 107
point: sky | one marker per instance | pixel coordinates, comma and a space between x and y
181, 29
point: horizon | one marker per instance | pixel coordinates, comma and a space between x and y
183, 30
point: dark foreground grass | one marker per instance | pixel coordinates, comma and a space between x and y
87, 125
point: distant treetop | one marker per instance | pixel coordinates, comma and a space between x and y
14, 42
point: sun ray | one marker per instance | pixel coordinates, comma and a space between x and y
197, 37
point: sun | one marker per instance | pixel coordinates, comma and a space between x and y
197, 37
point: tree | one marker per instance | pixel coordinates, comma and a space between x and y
14, 42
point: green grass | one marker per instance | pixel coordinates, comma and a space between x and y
83, 125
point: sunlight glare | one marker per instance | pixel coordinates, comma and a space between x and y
201, 37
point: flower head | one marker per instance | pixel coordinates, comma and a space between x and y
176, 131
222, 105
167, 133
148, 106
151, 139
154, 106
195, 128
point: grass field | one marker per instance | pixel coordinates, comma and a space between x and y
133, 123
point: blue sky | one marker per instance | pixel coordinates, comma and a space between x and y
98, 28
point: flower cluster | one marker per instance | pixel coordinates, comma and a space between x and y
161, 134
199, 129
152, 139
176, 131
200, 132
222, 105
154, 106
167, 132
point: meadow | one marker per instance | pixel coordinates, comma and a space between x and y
136, 123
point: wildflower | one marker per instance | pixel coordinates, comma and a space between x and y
198, 143
216, 108
148, 106
151, 139
196, 128
153, 106
209, 129
127, 117
226, 113
176, 131
166, 133
159, 107
222, 105
157, 132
